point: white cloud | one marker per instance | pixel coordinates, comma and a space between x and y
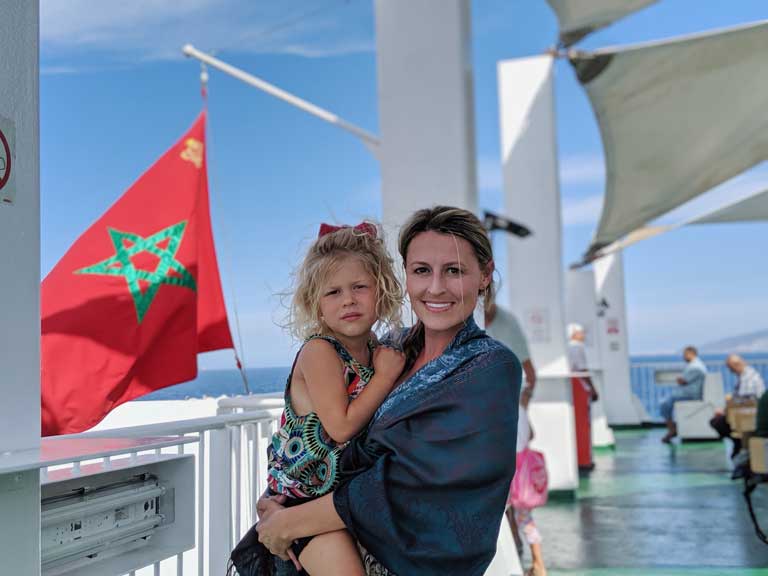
58, 70
579, 211
582, 169
574, 169
156, 29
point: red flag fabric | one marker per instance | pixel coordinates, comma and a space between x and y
136, 297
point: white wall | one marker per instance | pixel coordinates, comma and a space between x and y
425, 107
20, 286
620, 405
534, 271
20, 230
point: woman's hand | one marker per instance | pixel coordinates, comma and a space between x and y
273, 532
266, 508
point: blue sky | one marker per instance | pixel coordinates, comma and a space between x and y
116, 92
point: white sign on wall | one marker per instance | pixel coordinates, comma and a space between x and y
7, 160
537, 325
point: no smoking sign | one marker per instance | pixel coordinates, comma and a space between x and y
7, 161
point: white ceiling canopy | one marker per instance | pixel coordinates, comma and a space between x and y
677, 118
578, 18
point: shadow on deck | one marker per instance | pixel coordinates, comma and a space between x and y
651, 510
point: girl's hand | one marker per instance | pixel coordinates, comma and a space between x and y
268, 505
388, 362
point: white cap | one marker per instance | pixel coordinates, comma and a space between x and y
573, 328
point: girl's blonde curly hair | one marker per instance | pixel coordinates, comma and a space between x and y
322, 259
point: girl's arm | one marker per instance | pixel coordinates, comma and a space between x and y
324, 377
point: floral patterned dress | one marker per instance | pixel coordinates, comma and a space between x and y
303, 458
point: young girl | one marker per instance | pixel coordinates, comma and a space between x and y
522, 518
339, 378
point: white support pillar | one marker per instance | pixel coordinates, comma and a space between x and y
20, 286
425, 106
534, 271
621, 406
582, 307
220, 500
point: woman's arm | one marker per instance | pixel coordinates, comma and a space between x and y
279, 527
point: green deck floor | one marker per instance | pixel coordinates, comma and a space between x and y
651, 509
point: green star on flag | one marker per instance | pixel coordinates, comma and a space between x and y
168, 271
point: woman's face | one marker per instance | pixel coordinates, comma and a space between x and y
443, 279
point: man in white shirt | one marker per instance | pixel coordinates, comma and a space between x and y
502, 325
749, 385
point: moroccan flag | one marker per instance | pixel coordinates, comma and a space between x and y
137, 296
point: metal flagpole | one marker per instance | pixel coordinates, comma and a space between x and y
371, 141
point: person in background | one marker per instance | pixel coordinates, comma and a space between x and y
502, 325
749, 385
521, 519
691, 388
577, 357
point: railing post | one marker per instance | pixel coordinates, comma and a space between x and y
219, 501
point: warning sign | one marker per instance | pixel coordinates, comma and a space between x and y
7, 161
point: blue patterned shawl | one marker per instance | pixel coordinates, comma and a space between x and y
425, 487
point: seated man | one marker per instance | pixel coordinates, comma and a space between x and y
691, 388
749, 385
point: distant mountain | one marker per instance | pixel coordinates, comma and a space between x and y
745, 343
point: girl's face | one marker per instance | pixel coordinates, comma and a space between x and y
443, 279
348, 300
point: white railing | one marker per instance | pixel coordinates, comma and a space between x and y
231, 472
230, 464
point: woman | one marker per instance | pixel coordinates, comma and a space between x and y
425, 487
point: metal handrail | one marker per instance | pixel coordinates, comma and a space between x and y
181, 427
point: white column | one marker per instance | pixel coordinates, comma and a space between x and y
20, 285
425, 106
582, 307
534, 272
532, 196
621, 406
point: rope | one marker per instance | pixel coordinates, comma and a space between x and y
226, 252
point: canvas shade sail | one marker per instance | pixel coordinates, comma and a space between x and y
579, 18
677, 118
751, 209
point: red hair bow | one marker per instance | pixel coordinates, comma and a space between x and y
363, 228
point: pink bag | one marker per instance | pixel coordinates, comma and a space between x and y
529, 486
